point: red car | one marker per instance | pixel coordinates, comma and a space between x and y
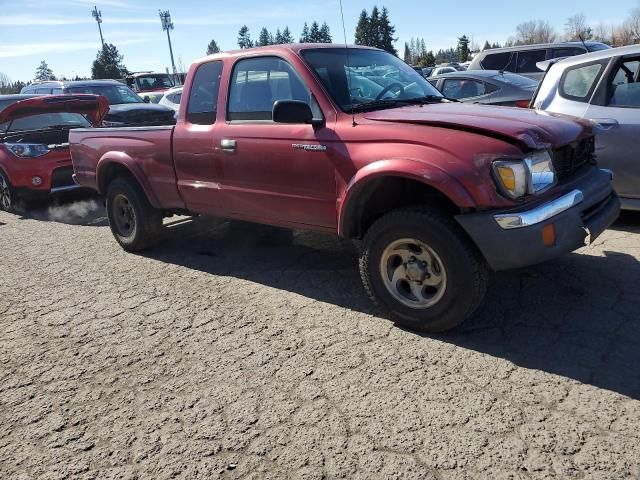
34, 149
356, 143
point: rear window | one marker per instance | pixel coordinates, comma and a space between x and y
499, 61
516, 80
46, 120
526, 62
578, 82
566, 52
203, 99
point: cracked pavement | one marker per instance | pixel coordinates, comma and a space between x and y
239, 351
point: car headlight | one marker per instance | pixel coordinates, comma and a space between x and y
28, 150
532, 175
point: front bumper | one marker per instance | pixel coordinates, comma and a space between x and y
514, 239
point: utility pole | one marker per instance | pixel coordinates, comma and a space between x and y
167, 25
97, 14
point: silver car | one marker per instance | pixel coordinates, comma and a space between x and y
603, 87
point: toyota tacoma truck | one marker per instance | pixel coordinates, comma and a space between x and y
354, 142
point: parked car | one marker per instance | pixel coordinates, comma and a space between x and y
522, 59
442, 70
150, 85
439, 192
488, 87
125, 107
171, 99
34, 149
603, 87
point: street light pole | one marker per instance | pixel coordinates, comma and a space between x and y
97, 14
167, 25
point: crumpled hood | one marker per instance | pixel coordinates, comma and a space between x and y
533, 129
94, 107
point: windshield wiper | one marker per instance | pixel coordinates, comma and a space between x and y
395, 102
64, 125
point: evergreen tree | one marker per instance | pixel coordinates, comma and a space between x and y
362, 29
314, 33
374, 37
212, 48
108, 64
304, 38
408, 58
286, 35
463, 48
244, 38
278, 38
44, 73
386, 33
325, 34
413, 50
265, 38
487, 45
430, 60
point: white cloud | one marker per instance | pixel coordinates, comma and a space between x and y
30, 49
28, 20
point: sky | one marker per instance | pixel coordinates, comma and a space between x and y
65, 35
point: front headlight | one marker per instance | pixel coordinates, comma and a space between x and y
28, 150
532, 175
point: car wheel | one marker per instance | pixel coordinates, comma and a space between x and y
7, 195
420, 267
135, 224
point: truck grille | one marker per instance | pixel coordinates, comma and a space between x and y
568, 159
61, 177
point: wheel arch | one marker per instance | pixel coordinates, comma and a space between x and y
116, 165
389, 184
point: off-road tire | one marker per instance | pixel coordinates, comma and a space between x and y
467, 274
146, 230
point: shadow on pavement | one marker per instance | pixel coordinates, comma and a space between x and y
628, 222
75, 208
576, 317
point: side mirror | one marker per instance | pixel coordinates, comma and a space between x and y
146, 99
292, 111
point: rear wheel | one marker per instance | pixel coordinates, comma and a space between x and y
135, 224
420, 267
7, 195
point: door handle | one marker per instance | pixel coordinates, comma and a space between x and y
228, 144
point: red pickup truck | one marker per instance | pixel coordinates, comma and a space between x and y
352, 141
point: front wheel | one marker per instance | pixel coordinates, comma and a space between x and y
135, 224
421, 269
7, 194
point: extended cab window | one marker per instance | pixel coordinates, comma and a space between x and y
578, 82
257, 83
203, 99
625, 88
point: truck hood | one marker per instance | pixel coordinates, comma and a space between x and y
531, 128
95, 107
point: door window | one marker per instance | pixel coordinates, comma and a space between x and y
625, 88
578, 82
500, 61
203, 99
460, 88
257, 83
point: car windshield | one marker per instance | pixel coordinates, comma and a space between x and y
516, 80
149, 82
116, 94
361, 79
45, 120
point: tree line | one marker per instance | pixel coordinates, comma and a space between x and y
315, 34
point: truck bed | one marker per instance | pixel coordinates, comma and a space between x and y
145, 151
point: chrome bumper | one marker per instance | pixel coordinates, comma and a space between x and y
539, 214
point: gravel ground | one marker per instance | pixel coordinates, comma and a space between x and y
236, 351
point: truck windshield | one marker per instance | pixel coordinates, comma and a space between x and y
364, 79
150, 82
116, 94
